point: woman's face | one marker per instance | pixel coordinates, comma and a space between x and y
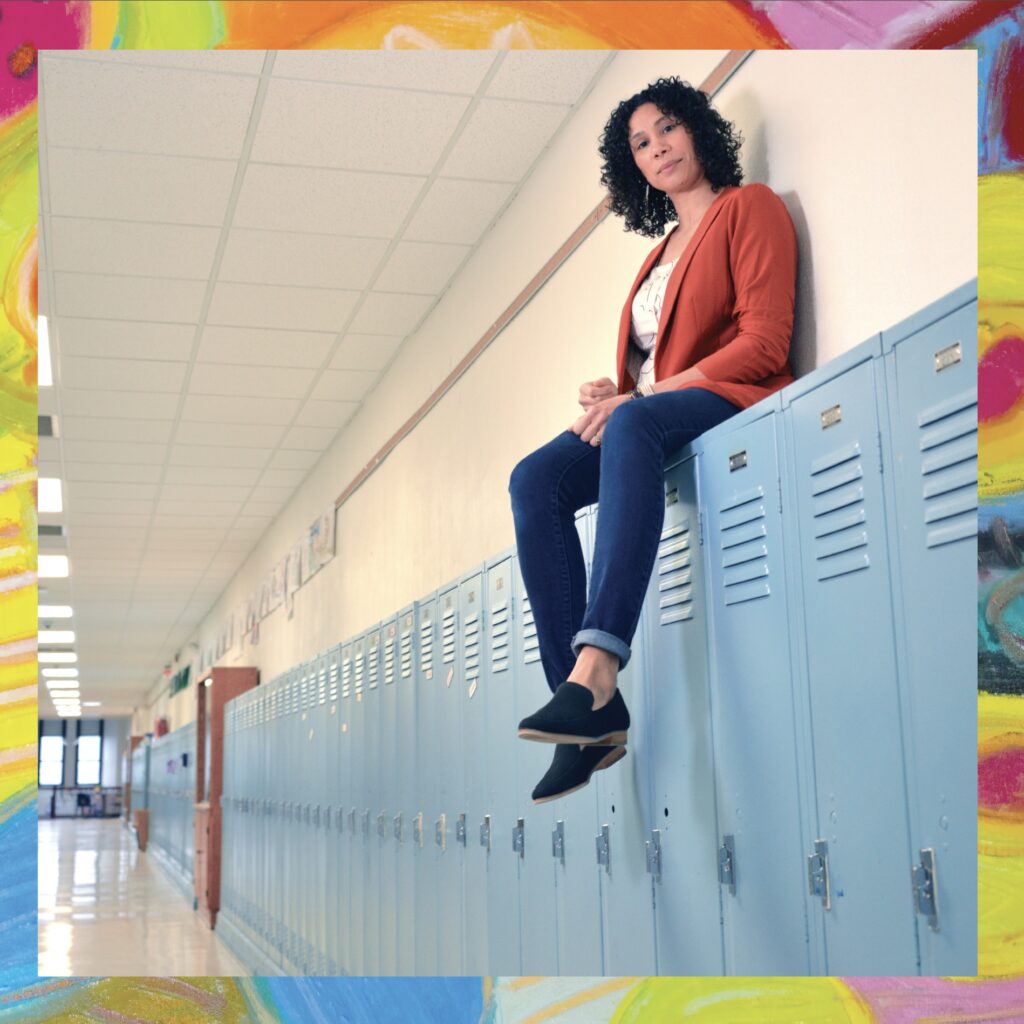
663, 150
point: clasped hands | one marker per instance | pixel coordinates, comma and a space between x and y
599, 399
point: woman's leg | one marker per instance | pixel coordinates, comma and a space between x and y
631, 511
547, 489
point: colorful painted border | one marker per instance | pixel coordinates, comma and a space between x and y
993, 28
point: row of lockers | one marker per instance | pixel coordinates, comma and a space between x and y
799, 796
171, 795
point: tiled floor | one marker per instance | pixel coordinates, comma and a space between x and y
105, 909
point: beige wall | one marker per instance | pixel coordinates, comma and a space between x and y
873, 154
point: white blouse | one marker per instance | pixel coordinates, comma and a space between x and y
646, 313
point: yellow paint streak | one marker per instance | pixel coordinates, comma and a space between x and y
520, 983
20, 616
579, 999
1000, 222
103, 23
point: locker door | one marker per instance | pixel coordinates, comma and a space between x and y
530, 824
387, 754
492, 835
405, 804
332, 740
273, 835
306, 839
473, 681
840, 531
452, 772
344, 839
371, 801
429, 682
354, 819
764, 882
321, 739
289, 907
680, 824
933, 394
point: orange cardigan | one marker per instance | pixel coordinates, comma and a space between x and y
728, 306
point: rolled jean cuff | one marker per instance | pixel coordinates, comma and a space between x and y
607, 642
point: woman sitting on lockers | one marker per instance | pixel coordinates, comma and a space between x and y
705, 332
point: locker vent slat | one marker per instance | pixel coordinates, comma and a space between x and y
675, 601
426, 644
405, 654
743, 549
531, 646
372, 675
949, 470
841, 539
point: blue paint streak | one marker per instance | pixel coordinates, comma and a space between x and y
1010, 509
994, 44
18, 936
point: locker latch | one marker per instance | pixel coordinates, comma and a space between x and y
339, 818
307, 810
817, 873
485, 833
316, 816
397, 823
460, 830
381, 830
727, 863
926, 893
352, 821
439, 830
558, 841
327, 819
417, 830
604, 848
519, 837
654, 854
366, 822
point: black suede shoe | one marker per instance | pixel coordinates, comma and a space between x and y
571, 769
569, 717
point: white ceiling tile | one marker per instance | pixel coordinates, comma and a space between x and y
283, 477
117, 519
324, 201
289, 458
220, 409
113, 472
113, 492
365, 351
457, 211
269, 509
128, 298
144, 250
344, 385
216, 455
117, 535
121, 339
321, 124
257, 381
49, 451
136, 375
171, 528
233, 61
390, 313
127, 452
130, 186
248, 524
120, 404
86, 428
270, 492
424, 267
253, 347
326, 414
145, 109
244, 434
502, 139
251, 305
555, 76
459, 71
211, 475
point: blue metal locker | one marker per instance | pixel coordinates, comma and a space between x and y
274, 834
452, 774
931, 363
358, 813
473, 681
321, 739
531, 823
296, 780
330, 817
404, 804
492, 835
344, 803
371, 801
306, 839
858, 856
754, 703
428, 682
385, 770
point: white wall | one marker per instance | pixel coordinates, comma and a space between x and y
873, 154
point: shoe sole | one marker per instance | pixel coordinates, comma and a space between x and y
611, 739
612, 757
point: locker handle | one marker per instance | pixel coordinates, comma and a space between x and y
727, 863
485, 833
653, 846
397, 822
558, 842
924, 878
417, 830
519, 838
380, 824
604, 848
460, 829
439, 832
818, 874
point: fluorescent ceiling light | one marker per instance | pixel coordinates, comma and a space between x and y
57, 657
55, 611
52, 566
60, 673
91, 703
62, 694
51, 497
56, 636
77, 713
57, 684
45, 374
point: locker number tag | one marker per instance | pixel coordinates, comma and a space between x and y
949, 356
830, 417
737, 461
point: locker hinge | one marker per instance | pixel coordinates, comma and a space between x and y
924, 877
558, 842
381, 830
817, 873
396, 821
485, 833
727, 863
878, 442
439, 831
700, 527
778, 491
604, 848
460, 830
417, 830
654, 854
519, 837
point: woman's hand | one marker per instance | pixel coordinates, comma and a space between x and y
593, 391
590, 426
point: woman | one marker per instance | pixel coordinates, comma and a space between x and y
705, 332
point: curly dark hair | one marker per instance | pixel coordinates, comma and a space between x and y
716, 143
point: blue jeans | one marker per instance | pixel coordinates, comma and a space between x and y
625, 476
